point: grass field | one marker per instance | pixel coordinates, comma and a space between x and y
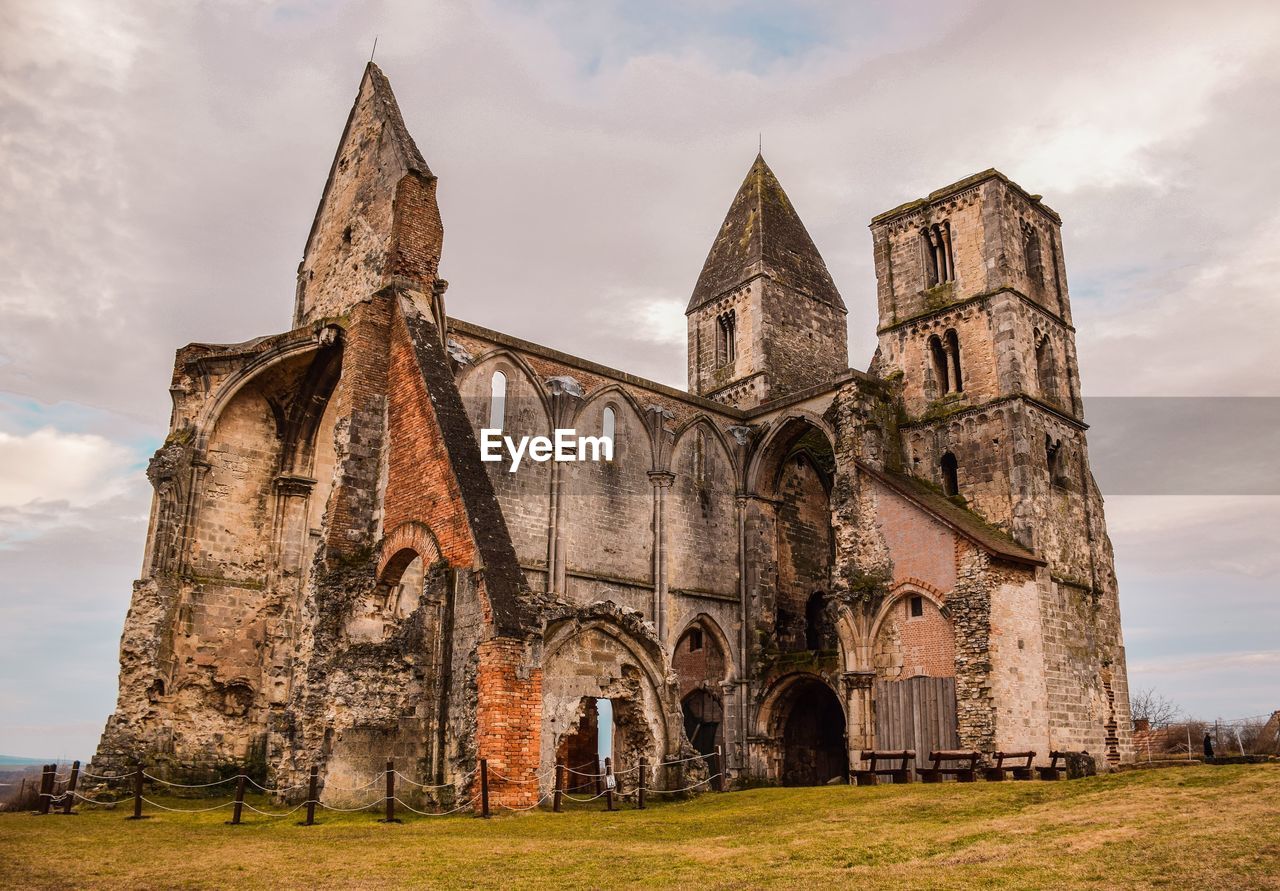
1197, 827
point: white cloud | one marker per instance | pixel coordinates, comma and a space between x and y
79, 469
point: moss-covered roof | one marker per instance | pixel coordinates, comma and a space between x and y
964, 521
763, 234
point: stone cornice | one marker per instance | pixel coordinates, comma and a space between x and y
974, 300
992, 403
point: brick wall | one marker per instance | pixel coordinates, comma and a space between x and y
508, 720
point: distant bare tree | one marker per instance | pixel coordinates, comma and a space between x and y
1153, 707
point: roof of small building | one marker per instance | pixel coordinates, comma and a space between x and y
964, 521
763, 234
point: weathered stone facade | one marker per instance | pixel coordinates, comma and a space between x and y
333, 576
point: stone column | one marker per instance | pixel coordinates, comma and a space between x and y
293, 496
565, 393
949, 267
662, 480
859, 714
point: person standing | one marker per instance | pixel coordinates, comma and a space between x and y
1208, 747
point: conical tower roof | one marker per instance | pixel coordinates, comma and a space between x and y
762, 233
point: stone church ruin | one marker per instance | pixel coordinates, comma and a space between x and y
794, 560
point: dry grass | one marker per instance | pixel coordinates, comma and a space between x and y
1201, 827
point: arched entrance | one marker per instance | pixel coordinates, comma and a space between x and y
814, 750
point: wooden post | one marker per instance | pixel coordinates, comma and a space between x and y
313, 782
391, 792
41, 807
239, 805
609, 782
555, 801
71, 788
599, 778
137, 793
719, 769
644, 769
46, 787
484, 787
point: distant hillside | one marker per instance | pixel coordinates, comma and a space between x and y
15, 760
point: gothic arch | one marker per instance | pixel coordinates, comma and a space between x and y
647, 715
617, 396
702, 421
784, 432
484, 365
712, 628
900, 590
291, 348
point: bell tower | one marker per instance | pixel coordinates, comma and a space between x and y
765, 319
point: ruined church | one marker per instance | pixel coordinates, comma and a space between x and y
794, 560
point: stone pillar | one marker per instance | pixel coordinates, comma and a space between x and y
195, 496
662, 480
565, 393
859, 711
288, 540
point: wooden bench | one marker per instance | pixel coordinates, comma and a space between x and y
883, 764
998, 771
1053, 771
966, 772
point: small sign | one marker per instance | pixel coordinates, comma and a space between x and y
610, 781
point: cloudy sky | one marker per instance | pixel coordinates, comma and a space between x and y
160, 164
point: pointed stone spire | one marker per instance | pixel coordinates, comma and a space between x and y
356, 241
762, 233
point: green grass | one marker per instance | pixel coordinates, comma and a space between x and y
1196, 827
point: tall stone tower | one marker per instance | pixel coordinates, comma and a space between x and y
975, 324
765, 318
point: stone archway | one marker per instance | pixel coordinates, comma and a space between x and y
812, 724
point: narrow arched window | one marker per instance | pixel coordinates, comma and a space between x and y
608, 423
700, 458
726, 338
1031, 254
950, 474
497, 400
953, 347
814, 620
1046, 375
939, 260
940, 372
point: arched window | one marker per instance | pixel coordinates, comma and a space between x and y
814, 621
726, 338
700, 458
1046, 375
935, 246
953, 347
939, 355
1053, 460
950, 474
1031, 253
497, 400
608, 423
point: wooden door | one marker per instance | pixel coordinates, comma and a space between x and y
918, 713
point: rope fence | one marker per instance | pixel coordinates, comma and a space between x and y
61, 791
